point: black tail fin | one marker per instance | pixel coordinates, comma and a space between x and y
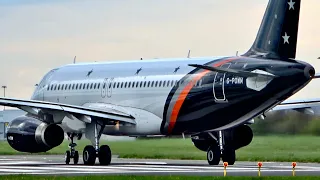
278, 33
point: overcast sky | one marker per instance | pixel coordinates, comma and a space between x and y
36, 36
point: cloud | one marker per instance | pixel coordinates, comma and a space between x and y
36, 37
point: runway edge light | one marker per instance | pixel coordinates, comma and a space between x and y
225, 165
259, 168
294, 164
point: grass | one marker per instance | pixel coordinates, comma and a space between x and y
147, 177
263, 148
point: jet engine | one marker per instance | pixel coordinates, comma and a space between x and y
27, 134
237, 137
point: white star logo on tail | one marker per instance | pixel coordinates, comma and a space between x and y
286, 38
291, 4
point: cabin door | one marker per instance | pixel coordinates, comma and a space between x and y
218, 85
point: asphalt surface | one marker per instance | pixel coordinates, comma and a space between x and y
54, 165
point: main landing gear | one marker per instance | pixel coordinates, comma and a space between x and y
220, 150
91, 152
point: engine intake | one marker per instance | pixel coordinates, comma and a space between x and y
27, 134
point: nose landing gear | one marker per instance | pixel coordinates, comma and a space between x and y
72, 153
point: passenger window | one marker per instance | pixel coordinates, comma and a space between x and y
145, 83
181, 82
125, 85
156, 84
160, 83
129, 85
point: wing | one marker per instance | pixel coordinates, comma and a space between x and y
305, 106
55, 112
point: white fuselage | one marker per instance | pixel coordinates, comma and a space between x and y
139, 88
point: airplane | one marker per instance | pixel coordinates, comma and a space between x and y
212, 99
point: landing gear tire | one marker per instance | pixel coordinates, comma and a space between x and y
89, 155
67, 157
72, 154
229, 155
76, 157
104, 155
213, 155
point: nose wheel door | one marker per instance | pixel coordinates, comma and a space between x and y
218, 85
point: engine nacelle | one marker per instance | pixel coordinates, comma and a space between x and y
238, 137
27, 134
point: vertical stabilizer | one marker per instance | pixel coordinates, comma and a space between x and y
278, 32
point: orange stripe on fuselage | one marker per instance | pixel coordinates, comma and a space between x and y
184, 93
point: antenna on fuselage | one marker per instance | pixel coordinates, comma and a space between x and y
189, 54
74, 59
237, 53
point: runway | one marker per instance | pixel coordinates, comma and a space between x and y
54, 165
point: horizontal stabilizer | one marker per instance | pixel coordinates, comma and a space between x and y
317, 75
305, 106
231, 71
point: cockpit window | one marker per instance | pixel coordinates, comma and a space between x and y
46, 78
